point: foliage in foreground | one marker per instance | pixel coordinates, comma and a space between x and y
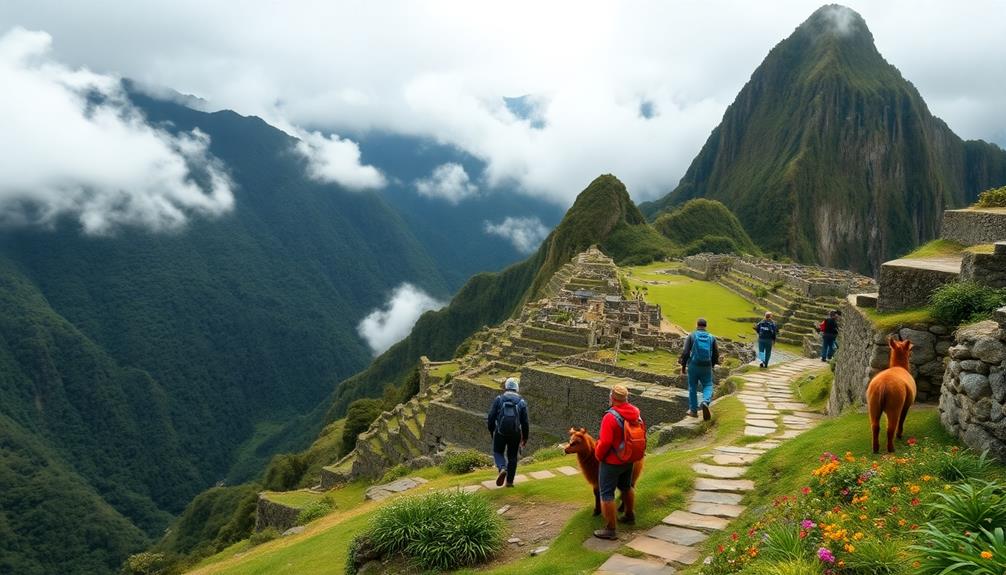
442, 530
465, 461
992, 198
316, 510
911, 513
965, 302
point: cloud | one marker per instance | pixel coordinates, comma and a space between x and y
843, 20
592, 69
448, 181
332, 159
73, 146
526, 234
386, 326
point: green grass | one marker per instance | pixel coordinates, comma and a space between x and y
683, 300
892, 320
443, 370
814, 388
935, 248
657, 361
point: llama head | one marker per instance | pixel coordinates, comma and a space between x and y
579, 441
900, 351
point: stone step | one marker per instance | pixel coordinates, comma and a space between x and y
621, 565
716, 509
737, 449
695, 521
719, 471
669, 552
567, 470
716, 497
676, 535
734, 485
759, 431
732, 458
543, 474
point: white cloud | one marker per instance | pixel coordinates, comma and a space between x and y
441, 70
72, 146
332, 159
526, 234
448, 181
386, 326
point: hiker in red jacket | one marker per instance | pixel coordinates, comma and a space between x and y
621, 443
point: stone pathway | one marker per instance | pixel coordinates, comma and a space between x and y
718, 489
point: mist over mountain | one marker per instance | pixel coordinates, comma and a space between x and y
829, 155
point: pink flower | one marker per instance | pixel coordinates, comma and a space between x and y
805, 491
825, 555
807, 524
912, 441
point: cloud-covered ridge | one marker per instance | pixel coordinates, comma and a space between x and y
384, 327
73, 146
526, 234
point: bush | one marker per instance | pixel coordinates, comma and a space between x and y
964, 302
444, 530
315, 510
264, 536
145, 563
982, 553
361, 550
545, 454
359, 416
993, 198
971, 506
712, 244
458, 462
394, 473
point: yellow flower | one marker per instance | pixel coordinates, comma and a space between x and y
902, 522
946, 488
986, 554
863, 517
915, 489
927, 477
850, 457
895, 489
858, 536
850, 548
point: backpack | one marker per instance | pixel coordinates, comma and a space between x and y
633, 445
702, 348
765, 330
508, 419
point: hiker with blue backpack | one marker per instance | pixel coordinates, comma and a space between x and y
697, 360
767, 332
509, 427
621, 445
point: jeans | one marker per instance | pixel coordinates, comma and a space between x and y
611, 476
696, 375
510, 445
765, 349
828, 346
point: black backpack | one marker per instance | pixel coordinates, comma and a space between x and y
508, 418
765, 330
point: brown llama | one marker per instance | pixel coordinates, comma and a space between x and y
583, 445
891, 391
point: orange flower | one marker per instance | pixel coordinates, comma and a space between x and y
915, 489
850, 548
850, 457
986, 554
858, 536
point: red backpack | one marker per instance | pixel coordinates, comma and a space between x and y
633, 445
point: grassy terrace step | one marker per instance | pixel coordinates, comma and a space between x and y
554, 336
555, 349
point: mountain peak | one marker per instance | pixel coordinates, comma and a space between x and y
835, 21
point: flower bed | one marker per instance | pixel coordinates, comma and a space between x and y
917, 512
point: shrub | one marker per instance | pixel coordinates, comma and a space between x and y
971, 506
315, 510
712, 244
982, 553
792, 567
874, 557
957, 464
359, 416
960, 302
145, 563
458, 462
361, 550
545, 454
776, 286
394, 473
760, 291
992, 198
264, 536
443, 530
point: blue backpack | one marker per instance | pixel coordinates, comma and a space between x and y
508, 418
765, 330
702, 348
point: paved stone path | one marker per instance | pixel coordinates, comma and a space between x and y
718, 489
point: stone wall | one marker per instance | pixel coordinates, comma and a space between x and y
863, 352
973, 227
986, 269
906, 287
276, 515
707, 266
673, 379
973, 400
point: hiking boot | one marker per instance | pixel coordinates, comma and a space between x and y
691, 413
509, 484
605, 534
501, 478
706, 415
824, 360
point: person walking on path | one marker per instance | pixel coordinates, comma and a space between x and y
697, 360
509, 426
767, 332
620, 447
829, 335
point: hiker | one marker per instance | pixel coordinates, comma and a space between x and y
697, 360
829, 335
767, 332
509, 427
620, 448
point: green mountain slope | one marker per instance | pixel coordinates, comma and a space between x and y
828, 154
695, 222
153, 366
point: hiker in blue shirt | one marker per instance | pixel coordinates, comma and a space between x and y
509, 427
767, 332
697, 360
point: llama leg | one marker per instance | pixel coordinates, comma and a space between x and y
597, 501
901, 420
892, 427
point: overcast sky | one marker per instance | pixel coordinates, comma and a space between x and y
325, 71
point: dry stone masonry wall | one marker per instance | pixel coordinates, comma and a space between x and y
972, 227
973, 400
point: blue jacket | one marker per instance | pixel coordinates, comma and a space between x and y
769, 323
525, 424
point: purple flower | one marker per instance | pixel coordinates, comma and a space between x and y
825, 555
807, 524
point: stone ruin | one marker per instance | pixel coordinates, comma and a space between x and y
565, 348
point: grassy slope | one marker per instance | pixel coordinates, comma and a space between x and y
323, 546
682, 300
700, 218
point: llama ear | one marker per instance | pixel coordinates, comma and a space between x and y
572, 431
583, 430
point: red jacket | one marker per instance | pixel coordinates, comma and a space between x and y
611, 433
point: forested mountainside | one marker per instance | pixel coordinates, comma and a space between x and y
829, 155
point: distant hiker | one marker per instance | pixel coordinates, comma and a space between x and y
829, 335
620, 449
697, 360
508, 426
767, 332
